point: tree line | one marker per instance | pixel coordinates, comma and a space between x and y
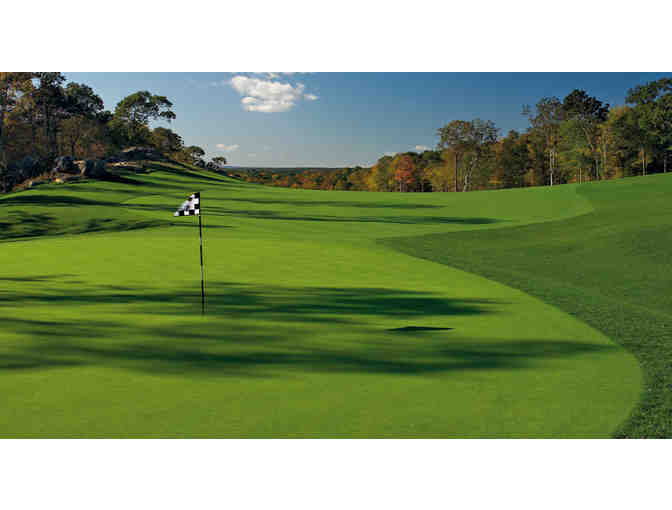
575, 139
42, 118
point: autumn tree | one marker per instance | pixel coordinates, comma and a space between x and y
11, 87
405, 171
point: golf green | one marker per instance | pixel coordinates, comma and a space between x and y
316, 324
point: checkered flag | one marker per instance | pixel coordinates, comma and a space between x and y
191, 207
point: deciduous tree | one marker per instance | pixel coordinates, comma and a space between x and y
587, 113
166, 140
134, 112
545, 121
11, 87
219, 162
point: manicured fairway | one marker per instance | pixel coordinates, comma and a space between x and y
611, 268
317, 326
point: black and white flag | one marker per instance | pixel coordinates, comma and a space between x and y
191, 207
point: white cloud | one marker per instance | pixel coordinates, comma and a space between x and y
421, 148
267, 96
228, 148
389, 154
311, 97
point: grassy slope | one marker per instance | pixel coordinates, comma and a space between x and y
313, 328
609, 268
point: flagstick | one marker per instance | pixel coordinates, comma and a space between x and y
200, 234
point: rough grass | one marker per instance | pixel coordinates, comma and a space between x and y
313, 327
610, 268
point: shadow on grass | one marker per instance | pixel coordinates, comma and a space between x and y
23, 225
333, 203
35, 278
50, 200
418, 329
291, 304
185, 172
263, 331
403, 220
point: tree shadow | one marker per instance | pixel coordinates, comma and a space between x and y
292, 304
23, 226
35, 278
184, 172
401, 220
51, 200
418, 329
333, 203
261, 331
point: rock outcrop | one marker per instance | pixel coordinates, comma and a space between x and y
26, 167
94, 168
65, 164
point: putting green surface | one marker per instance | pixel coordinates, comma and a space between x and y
316, 325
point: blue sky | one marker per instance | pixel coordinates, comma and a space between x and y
343, 119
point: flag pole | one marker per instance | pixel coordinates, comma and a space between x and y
200, 234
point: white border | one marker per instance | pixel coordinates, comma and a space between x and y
340, 36
334, 474
349, 35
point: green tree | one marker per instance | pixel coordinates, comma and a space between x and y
470, 141
545, 127
442, 173
653, 106
480, 140
133, 114
513, 160
166, 140
53, 106
455, 137
82, 100
576, 155
219, 162
586, 114
382, 174
82, 125
635, 138
193, 155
